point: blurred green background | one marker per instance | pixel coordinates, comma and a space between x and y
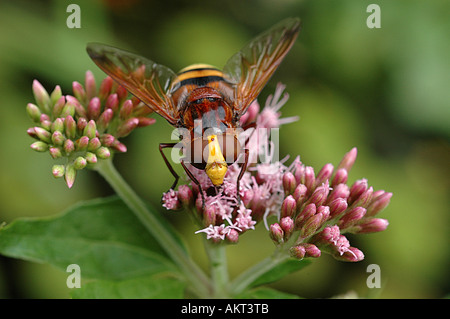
385, 91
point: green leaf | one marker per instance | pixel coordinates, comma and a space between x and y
265, 293
102, 236
147, 287
288, 266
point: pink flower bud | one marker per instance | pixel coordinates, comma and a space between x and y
91, 158
232, 236
300, 195
287, 225
71, 127
127, 127
103, 152
276, 233
105, 88
348, 160
371, 225
91, 87
126, 109
340, 177
79, 109
104, 119
325, 211
58, 171
324, 174
68, 146
352, 254
311, 225
107, 140
112, 102
78, 91
55, 152
43, 134
359, 187
58, 125
339, 191
34, 112
289, 183
94, 144
170, 200
91, 129
94, 108
311, 250
39, 146
320, 195
55, 95
310, 179
145, 121
337, 206
305, 214
351, 217
185, 196
59, 106
378, 204
79, 163
288, 207
41, 96
82, 143
297, 252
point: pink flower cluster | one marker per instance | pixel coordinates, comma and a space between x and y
312, 211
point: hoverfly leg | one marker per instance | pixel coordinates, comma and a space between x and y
192, 177
161, 147
241, 173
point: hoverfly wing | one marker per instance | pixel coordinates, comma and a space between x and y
251, 68
148, 81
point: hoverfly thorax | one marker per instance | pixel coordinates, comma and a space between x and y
201, 99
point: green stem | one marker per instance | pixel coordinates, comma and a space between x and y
218, 266
195, 276
245, 279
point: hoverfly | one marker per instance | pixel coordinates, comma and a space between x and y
201, 98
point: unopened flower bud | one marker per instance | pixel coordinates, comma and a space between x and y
348, 160
91, 87
79, 109
71, 127
126, 109
370, 225
311, 225
103, 152
70, 175
365, 198
337, 206
55, 95
340, 177
82, 143
305, 214
232, 236
81, 124
68, 146
289, 183
339, 191
94, 108
311, 250
105, 88
351, 217
34, 112
325, 211
55, 152
324, 174
59, 106
145, 121
43, 134
300, 195
58, 125
276, 233
120, 147
58, 138
185, 196
352, 254
287, 225
358, 187
91, 158
378, 204
288, 207
90, 129
39, 146
310, 179
79, 163
170, 200
94, 144
320, 195
67, 110
127, 127
78, 91
41, 96
104, 119
297, 252
112, 102
58, 171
